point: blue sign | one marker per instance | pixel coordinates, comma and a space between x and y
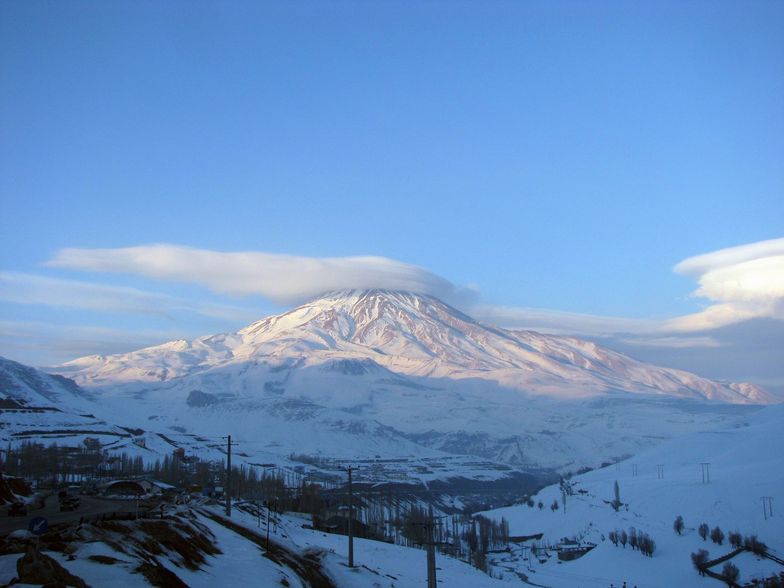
38, 525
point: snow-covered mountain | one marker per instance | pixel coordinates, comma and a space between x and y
326, 377
26, 386
362, 332
37, 406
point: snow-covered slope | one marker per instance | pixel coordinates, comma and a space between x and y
655, 487
27, 386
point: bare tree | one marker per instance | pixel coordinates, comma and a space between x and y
678, 525
730, 573
717, 535
699, 559
703, 531
616, 503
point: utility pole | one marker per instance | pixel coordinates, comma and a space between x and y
350, 518
705, 472
430, 545
660, 471
268, 518
767, 507
227, 489
563, 498
431, 551
634, 470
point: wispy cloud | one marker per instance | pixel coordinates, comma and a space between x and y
23, 288
673, 342
284, 279
559, 322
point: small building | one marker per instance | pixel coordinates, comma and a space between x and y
92, 443
339, 524
142, 487
569, 551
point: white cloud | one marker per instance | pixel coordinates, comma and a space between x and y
742, 283
21, 288
284, 279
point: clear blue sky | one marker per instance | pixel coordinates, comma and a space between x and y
559, 155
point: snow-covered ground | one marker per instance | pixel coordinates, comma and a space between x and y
746, 463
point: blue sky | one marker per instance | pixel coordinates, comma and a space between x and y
554, 156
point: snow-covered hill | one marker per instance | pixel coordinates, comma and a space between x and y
745, 464
364, 373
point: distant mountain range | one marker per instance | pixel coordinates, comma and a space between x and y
377, 373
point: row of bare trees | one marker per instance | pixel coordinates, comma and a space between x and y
636, 540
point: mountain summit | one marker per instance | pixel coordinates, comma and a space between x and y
414, 336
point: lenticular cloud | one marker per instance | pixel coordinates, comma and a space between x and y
742, 283
285, 279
